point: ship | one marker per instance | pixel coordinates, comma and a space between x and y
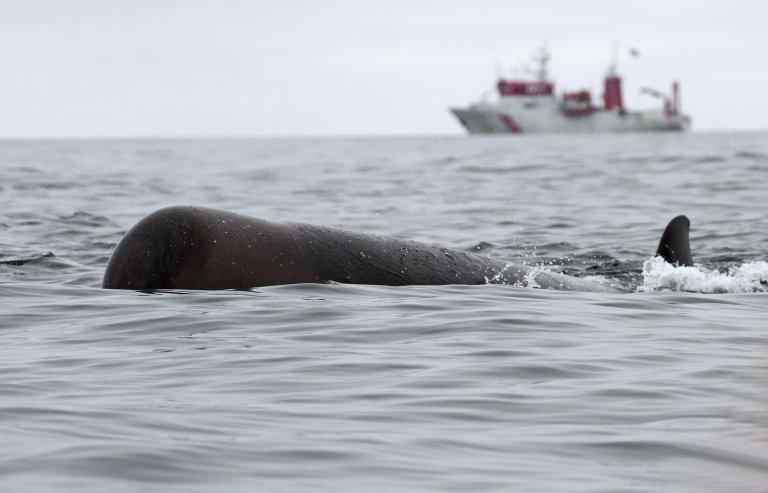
525, 106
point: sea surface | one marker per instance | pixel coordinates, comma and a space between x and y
307, 388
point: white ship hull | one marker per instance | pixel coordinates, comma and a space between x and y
544, 114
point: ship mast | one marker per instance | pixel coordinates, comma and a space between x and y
612, 70
542, 58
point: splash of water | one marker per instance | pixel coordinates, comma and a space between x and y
750, 277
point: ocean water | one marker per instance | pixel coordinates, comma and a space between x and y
376, 388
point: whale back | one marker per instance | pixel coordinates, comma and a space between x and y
198, 248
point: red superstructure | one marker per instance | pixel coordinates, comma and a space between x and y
524, 88
612, 97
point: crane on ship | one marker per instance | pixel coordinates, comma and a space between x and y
671, 104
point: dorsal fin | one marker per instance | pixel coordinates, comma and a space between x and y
675, 246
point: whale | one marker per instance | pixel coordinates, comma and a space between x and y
198, 248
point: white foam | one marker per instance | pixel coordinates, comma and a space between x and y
750, 277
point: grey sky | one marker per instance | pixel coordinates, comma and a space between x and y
74, 68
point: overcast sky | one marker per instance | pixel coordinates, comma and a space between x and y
78, 68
